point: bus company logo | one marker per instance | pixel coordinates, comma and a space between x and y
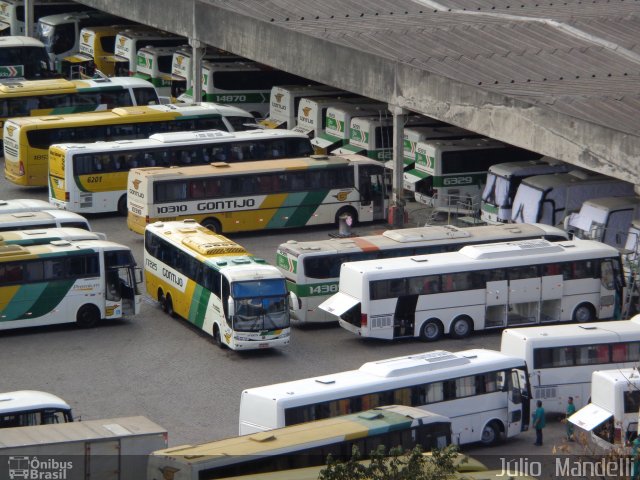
179, 60
279, 96
32, 468
306, 110
136, 183
122, 41
10, 129
86, 37
3, 8
342, 196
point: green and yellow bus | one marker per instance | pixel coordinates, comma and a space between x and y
47, 235
304, 445
63, 281
257, 195
27, 139
215, 284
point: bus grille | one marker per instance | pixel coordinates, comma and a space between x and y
545, 392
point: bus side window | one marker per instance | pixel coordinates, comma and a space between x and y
607, 277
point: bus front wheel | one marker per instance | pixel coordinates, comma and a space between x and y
461, 327
490, 434
212, 224
584, 313
216, 337
431, 331
88, 316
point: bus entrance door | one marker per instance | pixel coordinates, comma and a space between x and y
497, 296
515, 405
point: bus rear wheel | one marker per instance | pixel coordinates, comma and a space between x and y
349, 211
584, 313
431, 331
168, 306
88, 316
212, 224
461, 327
122, 206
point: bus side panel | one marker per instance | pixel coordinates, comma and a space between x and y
41, 301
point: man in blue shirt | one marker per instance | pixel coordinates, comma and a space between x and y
538, 423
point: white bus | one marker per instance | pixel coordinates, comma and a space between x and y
612, 415
181, 68
284, 100
63, 282
215, 284
23, 205
373, 136
605, 219
503, 181
338, 125
484, 392
455, 171
12, 13
154, 65
129, 41
29, 220
92, 177
561, 358
24, 58
480, 287
24, 408
312, 268
312, 111
550, 198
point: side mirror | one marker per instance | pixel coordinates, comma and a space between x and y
138, 275
231, 307
294, 302
516, 396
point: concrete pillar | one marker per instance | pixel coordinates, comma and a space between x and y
28, 18
197, 51
396, 210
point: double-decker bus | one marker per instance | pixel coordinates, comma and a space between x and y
92, 177
215, 284
312, 268
561, 358
303, 445
484, 392
27, 139
62, 282
257, 195
23, 98
486, 286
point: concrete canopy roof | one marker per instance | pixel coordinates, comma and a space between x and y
562, 79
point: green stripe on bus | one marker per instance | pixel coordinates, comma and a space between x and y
289, 265
313, 290
76, 180
198, 307
36, 300
305, 209
460, 180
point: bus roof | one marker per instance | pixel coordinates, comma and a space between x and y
186, 109
619, 376
552, 180
71, 17
23, 204
514, 339
38, 215
528, 168
241, 66
445, 145
21, 400
440, 234
148, 33
20, 87
179, 138
485, 256
20, 41
399, 370
223, 168
613, 203
17, 252
46, 235
304, 435
158, 50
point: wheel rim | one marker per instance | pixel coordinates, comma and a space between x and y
583, 314
488, 434
431, 330
461, 328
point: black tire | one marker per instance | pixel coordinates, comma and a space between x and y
431, 331
212, 224
88, 316
349, 211
122, 206
490, 434
216, 337
168, 306
161, 300
461, 327
584, 313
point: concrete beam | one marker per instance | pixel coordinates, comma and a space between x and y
536, 128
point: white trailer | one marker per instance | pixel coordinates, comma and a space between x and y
110, 449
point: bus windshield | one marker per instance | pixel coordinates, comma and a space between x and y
496, 190
260, 305
33, 60
526, 205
